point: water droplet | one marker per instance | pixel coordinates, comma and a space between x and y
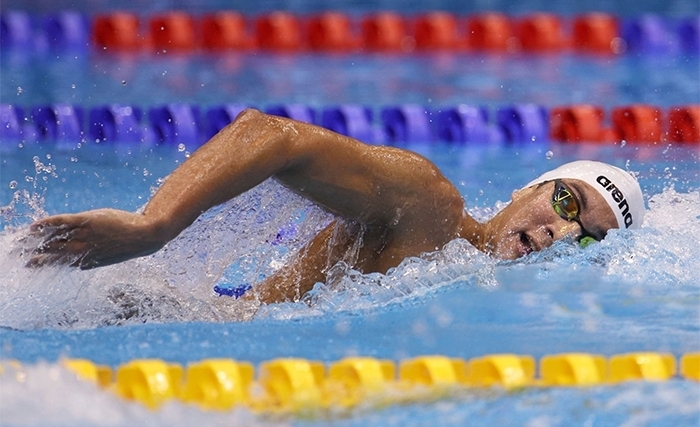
181, 147
549, 154
13, 185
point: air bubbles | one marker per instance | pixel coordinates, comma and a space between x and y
181, 147
618, 45
13, 184
72, 86
123, 82
623, 143
549, 154
19, 90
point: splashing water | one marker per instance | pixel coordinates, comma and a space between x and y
239, 242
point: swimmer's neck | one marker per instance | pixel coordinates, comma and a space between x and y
474, 232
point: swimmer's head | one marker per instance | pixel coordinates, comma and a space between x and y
582, 199
620, 189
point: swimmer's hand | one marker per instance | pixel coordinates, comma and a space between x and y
93, 238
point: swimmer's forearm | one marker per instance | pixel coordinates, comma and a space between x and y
238, 158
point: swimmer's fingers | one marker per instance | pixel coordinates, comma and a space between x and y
46, 259
58, 242
55, 225
58, 250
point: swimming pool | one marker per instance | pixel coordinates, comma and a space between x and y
636, 291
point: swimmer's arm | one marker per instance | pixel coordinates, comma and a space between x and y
243, 154
359, 182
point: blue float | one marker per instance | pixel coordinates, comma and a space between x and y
465, 123
648, 34
524, 123
352, 120
11, 122
176, 124
220, 116
406, 123
118, 123
67, 30
58, 122
689, 34
16, 29
299, 112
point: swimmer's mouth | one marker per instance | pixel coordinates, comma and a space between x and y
527, 244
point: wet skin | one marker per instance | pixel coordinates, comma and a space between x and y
396, 201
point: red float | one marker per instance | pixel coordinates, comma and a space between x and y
489, 32
331, 31
577, 123
173, 31
119, 30
541, 32
436, 30
383, 31
637, 123
684, 124
278, 31
225, 30
595, 33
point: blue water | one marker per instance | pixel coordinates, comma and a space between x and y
636, 291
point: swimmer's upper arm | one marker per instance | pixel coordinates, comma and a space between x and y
362, 182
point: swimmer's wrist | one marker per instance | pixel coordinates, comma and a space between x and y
159, 230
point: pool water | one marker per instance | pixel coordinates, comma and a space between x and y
636, 291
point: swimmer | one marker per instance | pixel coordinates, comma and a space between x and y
389, 204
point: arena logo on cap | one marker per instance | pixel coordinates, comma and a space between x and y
618, 197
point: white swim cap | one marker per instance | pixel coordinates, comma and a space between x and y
619, 188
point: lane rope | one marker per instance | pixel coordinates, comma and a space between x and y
300, 386
191, 124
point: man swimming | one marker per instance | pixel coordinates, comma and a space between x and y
389, 203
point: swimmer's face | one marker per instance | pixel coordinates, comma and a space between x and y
530, 223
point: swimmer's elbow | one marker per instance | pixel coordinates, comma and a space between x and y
273, 127
247, 115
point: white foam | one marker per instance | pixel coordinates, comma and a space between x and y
50, 395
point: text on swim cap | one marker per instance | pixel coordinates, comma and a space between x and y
618, 197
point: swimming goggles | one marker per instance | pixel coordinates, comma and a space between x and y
567, 207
